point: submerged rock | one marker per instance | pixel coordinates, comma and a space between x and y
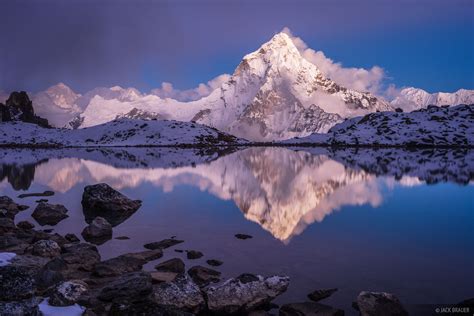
118, 265
193, 254
379, 303
163, 244
49, 214
246, 293
45, 193
214, 262
102, 200
309, 309
147, 255
242, 236
16, 283
203, 276
130, 287
318, 295
175, 265
46, 248
181, 294
68, 293
98, 231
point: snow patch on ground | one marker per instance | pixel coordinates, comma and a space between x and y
48, 310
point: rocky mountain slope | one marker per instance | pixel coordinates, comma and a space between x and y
122, 132
19, 108
411, 99
433, 126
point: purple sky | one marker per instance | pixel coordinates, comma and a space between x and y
86, 43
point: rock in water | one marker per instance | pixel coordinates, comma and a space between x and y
49, 214
68, 293
118, 265
174, 265
101, 200
16, 283
321, 294
242, 236
181, 294
163, 244
245, 293
214, 262
98, 231
203, 276
309, 309
379, 303
130, 287
193, 254
8, 208
46, 248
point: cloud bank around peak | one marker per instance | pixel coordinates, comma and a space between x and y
202, 90
359, 79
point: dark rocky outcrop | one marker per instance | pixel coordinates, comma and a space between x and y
102, 200
19, 107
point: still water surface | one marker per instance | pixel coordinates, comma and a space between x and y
387, 220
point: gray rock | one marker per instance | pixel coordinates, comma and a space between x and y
6, 225
102, 200
98, 231
68, 293
163, 244
27, 307
46, 248
175, 265
309, 309
241, 295
181, 294
379, 303
130, 287
16, 283
84, 256
25, 225
49, 214
203, 276
318, 295
117, 266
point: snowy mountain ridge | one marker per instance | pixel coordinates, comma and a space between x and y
411, 99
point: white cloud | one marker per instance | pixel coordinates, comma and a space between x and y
354, 78
202, 90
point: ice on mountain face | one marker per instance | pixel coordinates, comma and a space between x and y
411, 99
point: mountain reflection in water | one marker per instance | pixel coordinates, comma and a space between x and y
283, 190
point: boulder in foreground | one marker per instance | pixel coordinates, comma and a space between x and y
245, 293
379, 303
102, 200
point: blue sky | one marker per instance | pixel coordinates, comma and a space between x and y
85, 44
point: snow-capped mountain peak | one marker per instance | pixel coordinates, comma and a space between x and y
62, 95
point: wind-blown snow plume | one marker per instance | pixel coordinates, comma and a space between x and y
359, 79
202, 90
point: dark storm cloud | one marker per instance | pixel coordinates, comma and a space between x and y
87, 43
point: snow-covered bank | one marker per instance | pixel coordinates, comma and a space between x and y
122, 132
434, 126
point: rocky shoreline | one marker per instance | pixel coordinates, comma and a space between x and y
41, 270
